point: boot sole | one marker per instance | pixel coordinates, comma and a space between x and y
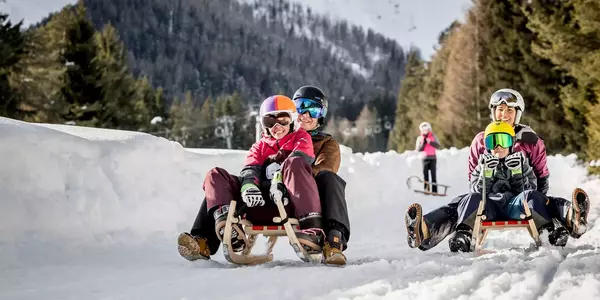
414, 237
188, 248
579, 199
338, 259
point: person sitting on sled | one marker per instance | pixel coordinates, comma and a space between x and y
283, 147
508, 179
202, 241
570, 216
427, 143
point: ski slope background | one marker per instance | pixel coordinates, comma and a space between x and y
94, 214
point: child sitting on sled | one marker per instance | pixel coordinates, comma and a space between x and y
284, 147
508, 178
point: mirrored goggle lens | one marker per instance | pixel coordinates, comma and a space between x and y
314, 108
270, 120
504, 97
494, 140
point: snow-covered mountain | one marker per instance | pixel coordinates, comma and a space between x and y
409, 22
94, 214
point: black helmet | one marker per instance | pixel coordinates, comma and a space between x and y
315, 94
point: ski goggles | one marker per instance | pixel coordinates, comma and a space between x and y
507, 98
314, 108
501, 139
271, 120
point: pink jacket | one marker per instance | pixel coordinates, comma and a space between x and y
427, 147
527, 141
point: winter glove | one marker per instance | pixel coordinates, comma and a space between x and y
252, 196
489, 163
271, 169
278, 189
515, 163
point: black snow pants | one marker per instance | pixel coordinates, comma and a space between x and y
430, 165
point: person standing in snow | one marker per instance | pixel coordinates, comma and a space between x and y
284, 147
202, 240
571, 216
427, 142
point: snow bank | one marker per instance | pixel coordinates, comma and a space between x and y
71, 182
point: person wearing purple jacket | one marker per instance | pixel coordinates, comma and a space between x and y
507, 105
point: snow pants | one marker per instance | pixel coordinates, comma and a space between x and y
511, 210
331, 189
333, 200
430, 165
443, 221
220, 188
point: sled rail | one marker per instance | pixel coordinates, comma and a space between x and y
421, 181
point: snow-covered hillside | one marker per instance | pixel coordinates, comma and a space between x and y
94, 214
409, 22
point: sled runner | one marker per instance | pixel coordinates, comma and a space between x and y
282, 226
482, 227
410, 182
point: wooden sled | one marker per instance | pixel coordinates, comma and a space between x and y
421, 181
482, 227
282, 226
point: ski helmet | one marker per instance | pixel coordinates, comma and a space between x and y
509, 97
425, 125
499, 133
312, 100
275, 105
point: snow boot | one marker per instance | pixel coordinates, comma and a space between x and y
332, 250
237, 234
415, 227
580, 207
461, 241
311, 234
193, 247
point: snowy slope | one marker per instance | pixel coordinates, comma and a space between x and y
94, 214
409, 22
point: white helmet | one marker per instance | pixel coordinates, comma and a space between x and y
509, 97
425, 125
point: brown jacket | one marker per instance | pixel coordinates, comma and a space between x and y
327, 153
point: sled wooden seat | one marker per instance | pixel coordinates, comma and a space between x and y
268, 230
482, 227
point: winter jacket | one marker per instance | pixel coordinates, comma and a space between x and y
528, 142
427, 147
269, 150
502, 181
327, 153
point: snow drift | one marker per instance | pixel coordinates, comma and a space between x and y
111, 203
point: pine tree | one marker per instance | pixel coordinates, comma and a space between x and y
569, 35
408, 100
12, 49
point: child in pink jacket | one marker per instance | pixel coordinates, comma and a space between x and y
428, 142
